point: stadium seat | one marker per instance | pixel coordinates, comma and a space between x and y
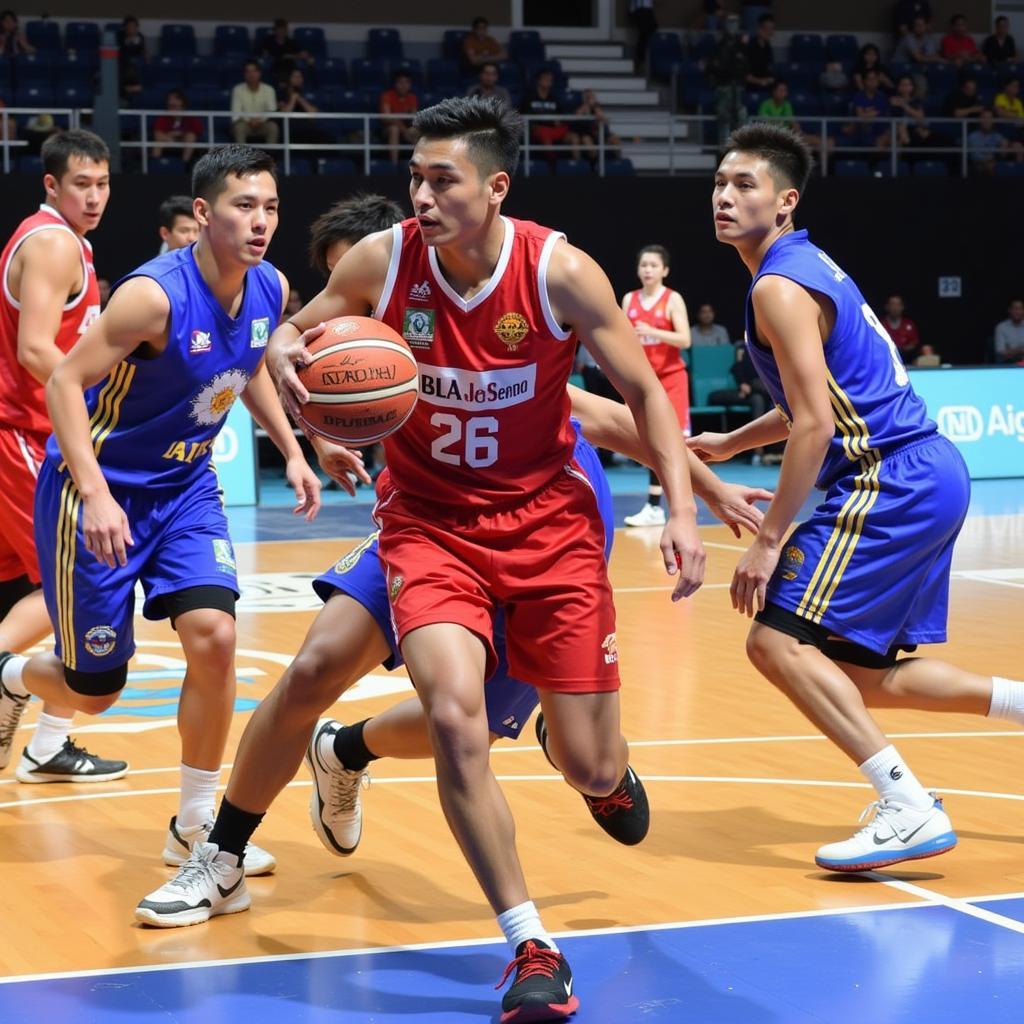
82, 36
369, 74
231, 40
412, 67
299, 166
807, 47
201, 72
166, 165
384, 44
851, 169
525, 44
44, 35
451, 44
74, 68
29, 164
332, 72
1005, 169
384, 168
664, 49
177, 39
573, 168
536, 168
164, 72
70, 95
709, 371
704, 46
931, 169
259, 38
842, 47
443, 75
33, 69
340, 165
33, 96
312, 39
619, 168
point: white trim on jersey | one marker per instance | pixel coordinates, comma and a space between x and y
542, 286
485, 293
26, 454
392, 275
580, 476
639, 293
62, 225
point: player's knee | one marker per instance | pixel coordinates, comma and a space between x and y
311, 679
212, 644
764, 648
597, 778
95, 691
456, 734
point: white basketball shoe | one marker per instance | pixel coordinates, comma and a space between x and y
335, 808
180, 842
649, 515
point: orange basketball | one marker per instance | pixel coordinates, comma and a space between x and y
362, 381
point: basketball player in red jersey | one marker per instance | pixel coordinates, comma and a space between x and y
49, 298
658, 315
481, 504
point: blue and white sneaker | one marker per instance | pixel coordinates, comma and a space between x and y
896, 833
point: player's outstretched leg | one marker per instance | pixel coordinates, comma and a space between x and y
335, 809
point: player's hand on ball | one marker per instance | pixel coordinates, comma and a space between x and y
683, 552
306, 485
734, 505
340, 463
107, 534
711, 447
750, 580
282, 358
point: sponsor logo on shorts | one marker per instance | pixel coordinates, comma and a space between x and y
610, 646
792, 562
223, 554
511, 329
348, 562
477, 389
511, 723
99, 641
396, 586
418, 327
259, 332
420, 292
200, 342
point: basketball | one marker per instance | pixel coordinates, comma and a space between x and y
362, 381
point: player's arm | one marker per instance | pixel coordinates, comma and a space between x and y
582, 296
767, 429
679, 336
51, 266
138, 312
354, 286
788, 320
608, 424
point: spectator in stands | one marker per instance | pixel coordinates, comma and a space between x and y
958, 46
867, 106
643, 19
294, 304
8, 126
760, 55
542, 100
705, 331
714, 15
965, 102
870, 60
927, 356
131, 55
905, 12
1000, 47
13, 40
292, 99
399, 99
727, 73
984, 145
1009, 336
900, 328
749, 390
480, 48
487, 84
176, 127
282, 51
251, 100
834, 78
588, 128
1008, 107
38, 129
178, 224
777, 105
904, 104
918, 46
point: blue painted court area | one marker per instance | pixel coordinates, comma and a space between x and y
898, 965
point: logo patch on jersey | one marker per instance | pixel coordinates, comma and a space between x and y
420, 292
212, 403
348, 562
792, 562
837, 272
396, 586
477, 389
200, 342
259, 332
99, 641
511, 328
418, 327
610, 646
223, 554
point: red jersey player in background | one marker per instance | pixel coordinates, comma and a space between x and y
658, 315
50, 297
482, 505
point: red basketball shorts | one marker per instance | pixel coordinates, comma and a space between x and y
542, 560
21, 455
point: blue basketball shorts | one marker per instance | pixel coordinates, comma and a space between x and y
181, 541
871, 564
360, 575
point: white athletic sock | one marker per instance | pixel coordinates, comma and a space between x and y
49, 737
522, 923
10, 675
1007, 700
198, 799
893, 780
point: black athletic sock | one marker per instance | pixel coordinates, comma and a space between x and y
653, 489
350, 748
234, 828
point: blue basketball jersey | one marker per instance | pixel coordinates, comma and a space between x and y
873, 405
154, 421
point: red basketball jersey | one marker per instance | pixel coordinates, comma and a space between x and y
665, 359
21, 396
492, 420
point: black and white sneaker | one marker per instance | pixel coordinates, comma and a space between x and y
210, 882
181, 841
624, 814
542, 989
12, 707
71, 763
335, 808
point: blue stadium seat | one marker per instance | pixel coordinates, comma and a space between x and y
312, 39
340, 165
443, 75
166, 165
44, 35
573, 168
299, 166
842, 47
525, 44
74, 68
231, 39
537, 168
807, 47
66, 95
851, 169
33, 69
703, 46
690, 80
931, 169
332, 72
201, 72
369, 74
177, 39
412, 67
664, 49
29, 164
259, 38
1006, 169
801, 76
384, 168
942, 79
619, 168
384, 44
164, 72
33, 96
806, 104
82, 36
451, 44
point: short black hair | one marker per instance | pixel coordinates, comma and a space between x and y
350, 220
659, 250
493, 132
210, 174
480, 20
59, 148
789, 158
764, 19
252, 62
180, 93
174, 207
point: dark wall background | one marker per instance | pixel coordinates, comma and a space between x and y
890, 235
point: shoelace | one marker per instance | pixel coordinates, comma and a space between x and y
345, 788
606, 806
193, 872
532, 961
72, 748
880, 809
